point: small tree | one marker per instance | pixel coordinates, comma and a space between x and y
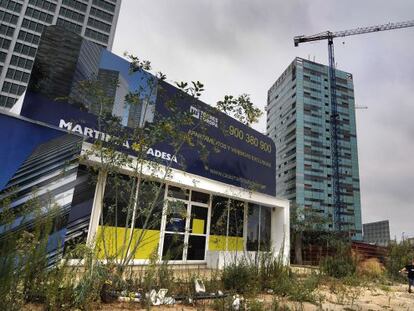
136, 200
400, 254
342, 263
301, 221
241, 108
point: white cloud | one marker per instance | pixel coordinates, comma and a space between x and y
242, 46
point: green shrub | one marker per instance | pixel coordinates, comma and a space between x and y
255, 305
277, 306
273, 274
342, 264
283, 285
272, 270
222, 304
399, 255
23, 256
240, 277
304, 291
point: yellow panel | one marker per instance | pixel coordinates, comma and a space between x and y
148, 244
218, 243
112, 242
235, 243
198, 226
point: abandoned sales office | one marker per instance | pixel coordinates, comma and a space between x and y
194, 219
186, 206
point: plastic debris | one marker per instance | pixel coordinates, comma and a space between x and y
160, 298
128, 299
236, 303
161, 294
169, 301
199, 286
153, 297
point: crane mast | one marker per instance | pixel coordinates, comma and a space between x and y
334, 120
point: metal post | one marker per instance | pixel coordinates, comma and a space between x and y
337, 202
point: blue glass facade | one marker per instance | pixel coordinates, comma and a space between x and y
298, 121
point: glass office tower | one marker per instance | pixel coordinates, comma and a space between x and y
298, 121
22, 23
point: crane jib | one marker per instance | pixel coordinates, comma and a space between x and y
351, 32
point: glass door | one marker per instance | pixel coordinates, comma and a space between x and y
185, 225
175, 220
197, 234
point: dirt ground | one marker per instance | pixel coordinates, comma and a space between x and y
360, 298
352, 298
393, 297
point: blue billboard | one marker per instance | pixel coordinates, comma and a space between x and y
224, 150
39, 173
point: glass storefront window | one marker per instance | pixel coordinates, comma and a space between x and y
177, 193
173, 247
124, 206
198, 221
226, 229
219, 216
150, 205
176, 216
200, 197
253, 228
236, 214
265, 223
258, 228
118, 200
196, 247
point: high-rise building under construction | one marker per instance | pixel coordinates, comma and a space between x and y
22, 23
299, 122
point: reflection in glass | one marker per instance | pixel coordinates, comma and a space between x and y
219, 216
150, 205
173, 247
200, 197
196, 247
265, 223
118, 200
178, 193
236, 214
253, 227
258, 228
176, 216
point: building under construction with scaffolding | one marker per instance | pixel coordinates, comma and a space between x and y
299, 122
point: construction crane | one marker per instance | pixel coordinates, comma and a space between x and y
328, 35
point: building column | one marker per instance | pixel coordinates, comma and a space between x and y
96, 208
280, 234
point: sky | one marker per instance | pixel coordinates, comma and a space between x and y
242, 46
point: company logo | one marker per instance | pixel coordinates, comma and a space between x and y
204, 116
88, 132
95, 134
162, 155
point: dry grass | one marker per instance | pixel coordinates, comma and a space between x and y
365, 298
371, 268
